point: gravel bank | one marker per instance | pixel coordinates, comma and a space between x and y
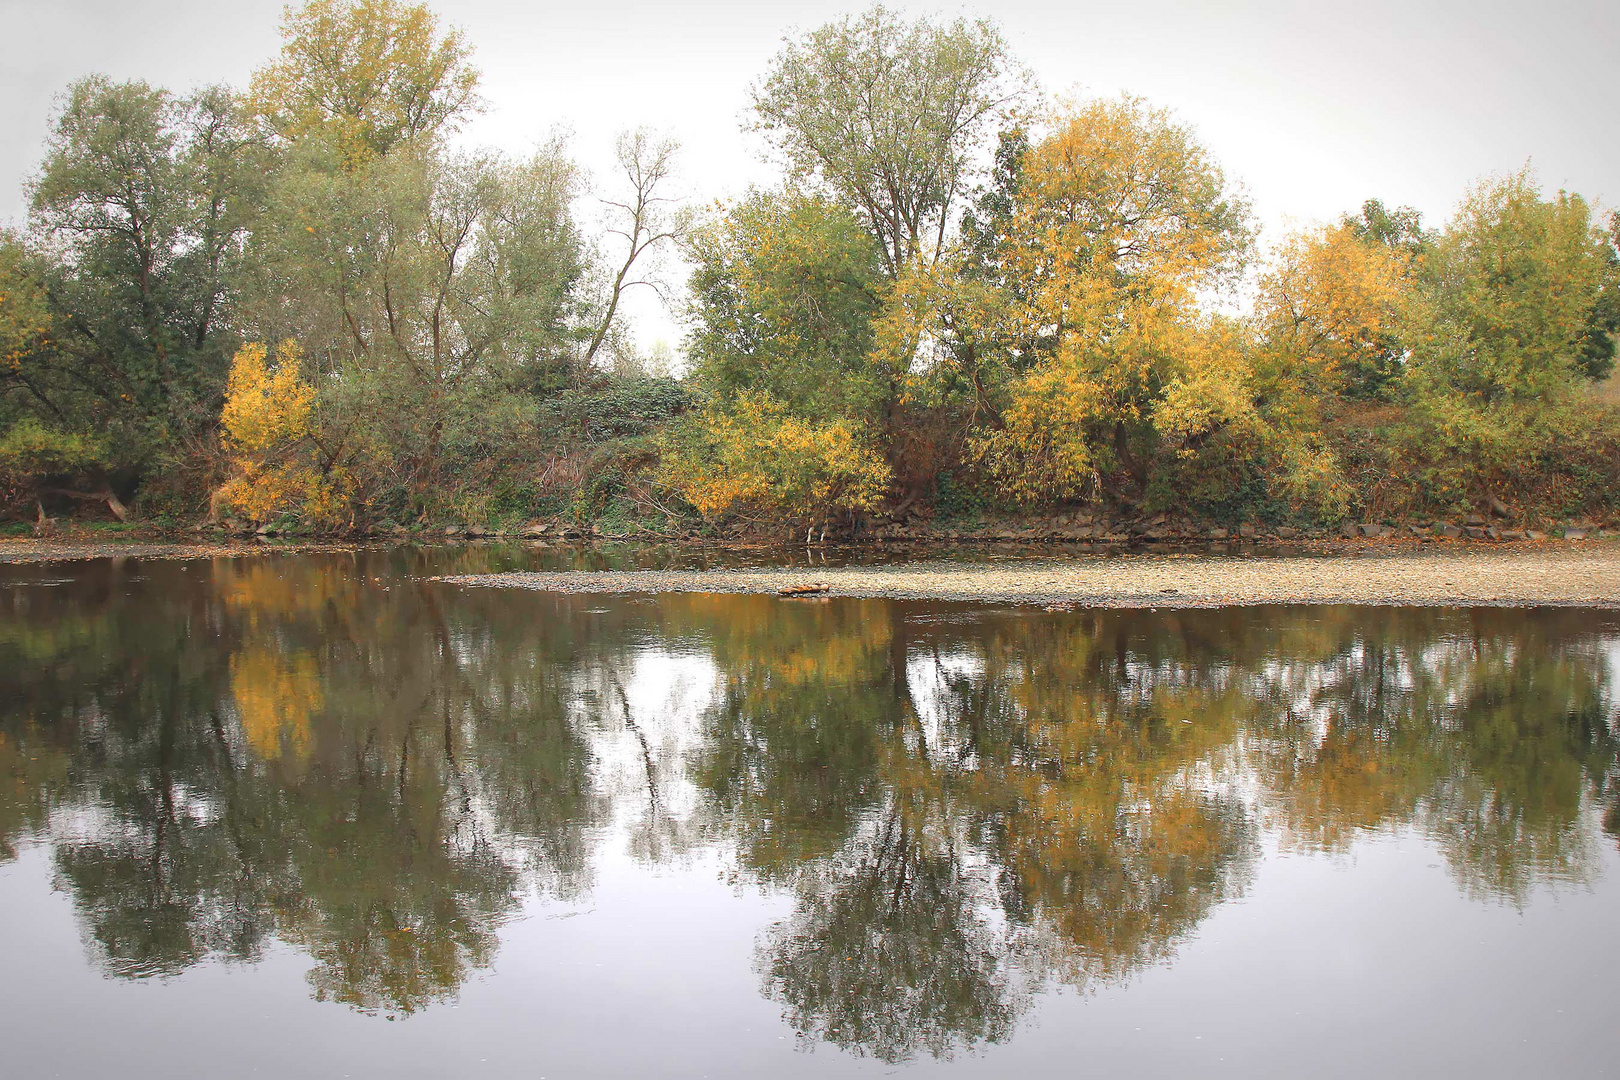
1569, 576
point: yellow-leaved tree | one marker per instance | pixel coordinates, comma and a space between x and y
1328, 318
370, 73
278, 462
1119, 224
753, 458
1328, 309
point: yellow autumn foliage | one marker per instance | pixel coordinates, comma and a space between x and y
1211, 388
1044, 448
269, 418
372, 72
275, 698
25, 318
1120, 224
1327, 305
266, 407
754, 456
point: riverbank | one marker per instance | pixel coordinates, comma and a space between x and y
1568, 575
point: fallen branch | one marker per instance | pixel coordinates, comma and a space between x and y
113, 503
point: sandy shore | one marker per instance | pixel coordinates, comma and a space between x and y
1568, 575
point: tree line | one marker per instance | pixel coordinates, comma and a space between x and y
302, 302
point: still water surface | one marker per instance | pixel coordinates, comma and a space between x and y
314, 815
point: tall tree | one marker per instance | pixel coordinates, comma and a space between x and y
146, 196
375, 72
888, 115
784, 290
425, 282
642, 223
1119, 224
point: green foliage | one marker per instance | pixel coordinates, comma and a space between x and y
923, 93
30, 449
428, 286
1595, 358
1510, 290
145, 196
619, 408
784, 291
31, 454
890, 322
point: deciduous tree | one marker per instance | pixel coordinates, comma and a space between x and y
371, 73
888, 115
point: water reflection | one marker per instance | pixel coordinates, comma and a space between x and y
965, 806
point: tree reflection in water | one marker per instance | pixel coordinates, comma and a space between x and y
965, 805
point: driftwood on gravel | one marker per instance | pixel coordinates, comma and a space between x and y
804, 590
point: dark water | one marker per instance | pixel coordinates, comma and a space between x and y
315, 816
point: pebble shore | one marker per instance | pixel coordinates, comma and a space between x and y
1565, 576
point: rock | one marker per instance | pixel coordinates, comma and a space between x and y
1287, 532
267, 529
1497, 506
1448, 530
1417, 530
1575, 534
1513, 534
1474, 532
802, 590
475, 531
1493, 532
1218, 533
1247, 531
453, 530
1369, 528
1534, 534
536, 530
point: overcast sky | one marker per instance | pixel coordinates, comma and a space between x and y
1314, 107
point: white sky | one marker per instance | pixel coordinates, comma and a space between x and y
1314, 107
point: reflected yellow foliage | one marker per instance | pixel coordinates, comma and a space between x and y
276, 696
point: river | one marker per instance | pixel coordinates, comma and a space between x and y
318, 815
